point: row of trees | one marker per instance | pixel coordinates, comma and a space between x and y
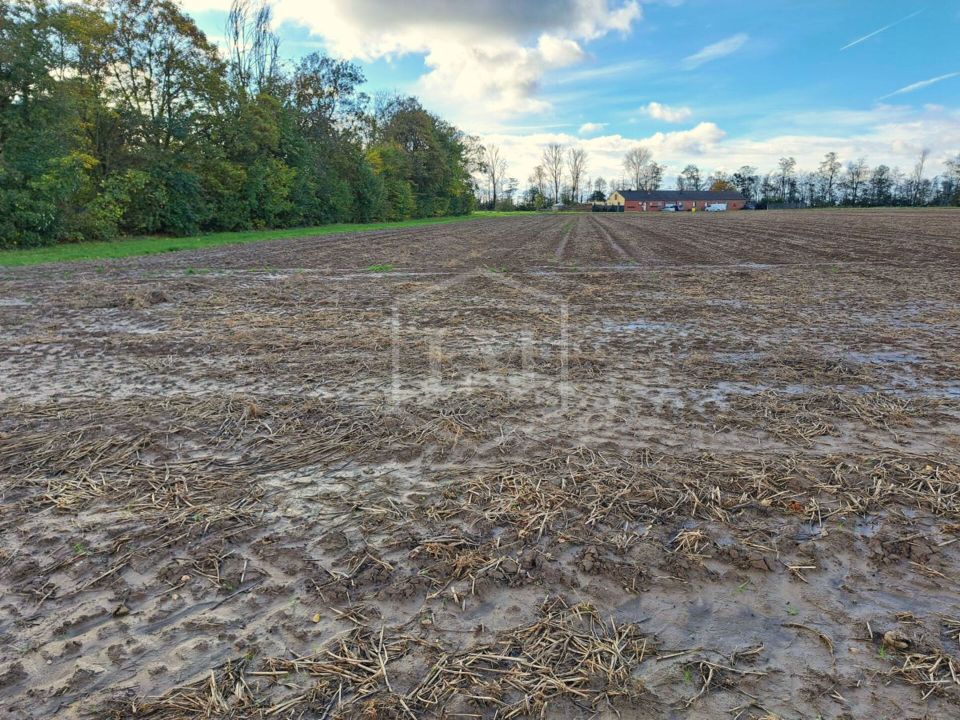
854, 183
120, 116
561, 178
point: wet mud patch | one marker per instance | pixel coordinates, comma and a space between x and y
723, 479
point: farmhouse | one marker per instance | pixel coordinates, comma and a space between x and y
655, 200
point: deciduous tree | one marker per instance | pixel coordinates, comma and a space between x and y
917, 192
552, 161
786, 178
495, 168
636, 164
689, 179
576, 166
121, 116
827, 176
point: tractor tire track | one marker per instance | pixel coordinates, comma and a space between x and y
608, 238
566, 231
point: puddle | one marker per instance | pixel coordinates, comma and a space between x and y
867, 527
884, 357
808, 532
653, 326
113, 321
723, 389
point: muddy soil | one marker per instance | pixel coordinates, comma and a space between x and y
560, 466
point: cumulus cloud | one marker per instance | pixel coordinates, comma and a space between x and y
605, 152
667, 113
891, 135
493, 54
687, 143
590, 128
498, 77
717, 50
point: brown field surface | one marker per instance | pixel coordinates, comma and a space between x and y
562, 466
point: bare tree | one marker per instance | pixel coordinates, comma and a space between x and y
786, 177
576, 166
495, 168
916, 179
953, 179
808, 188
252, 47
953, 167
651, 177
747, 182
828, 172
552, 161
881, 185
855, 177
635, 163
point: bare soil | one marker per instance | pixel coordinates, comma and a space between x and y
684, 466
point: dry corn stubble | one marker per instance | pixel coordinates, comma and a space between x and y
213, 506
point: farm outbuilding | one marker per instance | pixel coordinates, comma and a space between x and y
656, 200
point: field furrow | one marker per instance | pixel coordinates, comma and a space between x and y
558, 465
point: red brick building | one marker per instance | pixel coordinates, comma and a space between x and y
656, 200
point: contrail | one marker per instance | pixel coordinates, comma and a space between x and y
877, 32
919, 85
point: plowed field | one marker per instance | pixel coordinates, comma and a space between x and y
564, 466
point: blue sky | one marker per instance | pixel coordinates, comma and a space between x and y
716, 83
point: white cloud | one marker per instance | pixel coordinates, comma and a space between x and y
920, 85
695, 141
591, 128
605, 152
498, 77
717, 50
667, 113
492, 55
889, 134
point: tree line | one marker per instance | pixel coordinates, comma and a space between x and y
121, 117
560, 177
851, 184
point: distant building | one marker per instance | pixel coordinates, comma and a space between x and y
656, 200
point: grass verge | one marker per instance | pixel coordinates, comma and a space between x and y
129, 247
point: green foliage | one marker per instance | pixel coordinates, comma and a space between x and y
401, 203
371, 200
268, 188
103, 216
122, 118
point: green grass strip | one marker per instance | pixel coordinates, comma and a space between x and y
129, 247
